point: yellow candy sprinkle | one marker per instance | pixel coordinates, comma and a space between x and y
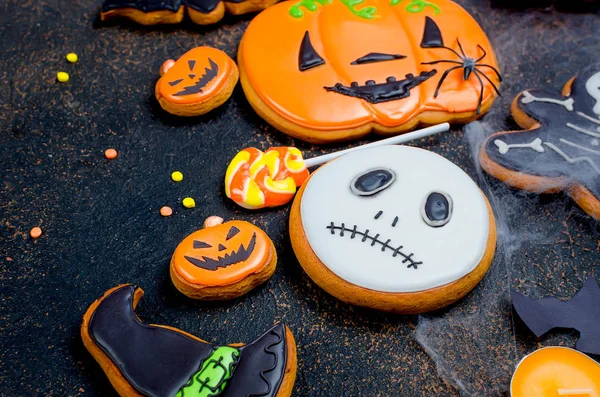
72, 57
189, 202
62, 77
177, 176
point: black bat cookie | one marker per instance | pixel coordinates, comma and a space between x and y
560, 148
203, 12
582, 313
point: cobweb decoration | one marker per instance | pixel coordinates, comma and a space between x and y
477, 342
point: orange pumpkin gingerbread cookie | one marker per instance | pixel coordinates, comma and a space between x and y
202, 12
201, 80
223, 260
335, 70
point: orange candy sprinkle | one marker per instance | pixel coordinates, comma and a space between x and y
35, 232
111, 154
166, 211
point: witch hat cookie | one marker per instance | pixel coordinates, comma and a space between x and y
161, 361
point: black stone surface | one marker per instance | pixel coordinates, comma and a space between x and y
102, 228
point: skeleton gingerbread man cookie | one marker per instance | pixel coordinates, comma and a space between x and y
393, 228
559, 150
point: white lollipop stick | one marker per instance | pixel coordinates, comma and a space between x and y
435, 129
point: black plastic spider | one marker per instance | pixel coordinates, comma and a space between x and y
470, 65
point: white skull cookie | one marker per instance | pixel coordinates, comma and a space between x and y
394, 228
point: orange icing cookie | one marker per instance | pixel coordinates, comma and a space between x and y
201, 80
332, 70
256, 180
223, 260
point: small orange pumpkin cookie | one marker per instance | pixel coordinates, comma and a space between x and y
223, 260
201, 80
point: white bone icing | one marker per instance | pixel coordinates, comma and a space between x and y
503, 147
592, 86
567, 103
583, 130
572, 160
585, 149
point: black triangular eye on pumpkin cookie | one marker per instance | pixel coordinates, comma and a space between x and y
308, 57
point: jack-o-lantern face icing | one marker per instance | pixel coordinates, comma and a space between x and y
395, 219
202, 79
222, 254
199, 74
333, 68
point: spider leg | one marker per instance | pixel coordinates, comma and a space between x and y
437, 90
491, 67
461, 49
484, 53
488, 79
441, 61
450, 49
480, 94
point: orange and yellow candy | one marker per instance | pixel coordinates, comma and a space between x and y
257, 179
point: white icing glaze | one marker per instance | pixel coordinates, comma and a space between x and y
592, 86
575, 160
567, 103
503, 147
448, 252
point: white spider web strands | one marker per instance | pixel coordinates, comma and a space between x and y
477, 342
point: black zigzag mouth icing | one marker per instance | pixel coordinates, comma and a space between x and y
209, 74
385, 245
239, 255
391, 90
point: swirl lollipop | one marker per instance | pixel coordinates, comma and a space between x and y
256, 179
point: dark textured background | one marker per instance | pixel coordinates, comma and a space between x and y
102, 228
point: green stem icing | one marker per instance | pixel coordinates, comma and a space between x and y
416, 6
367, 12
310, 5
213, 375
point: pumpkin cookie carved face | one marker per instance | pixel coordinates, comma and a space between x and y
334, 71
199, 81
221, 257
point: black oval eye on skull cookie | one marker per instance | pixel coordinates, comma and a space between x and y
437, 209
372, 181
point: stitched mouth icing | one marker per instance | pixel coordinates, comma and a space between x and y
352, 233
391, 90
